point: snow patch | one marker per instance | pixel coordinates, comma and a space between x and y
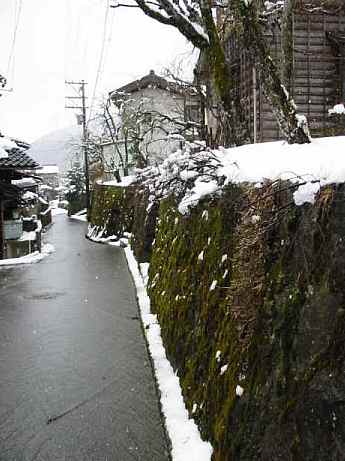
125, 182
35, 257
213, 285
223, 369
201, 189
306, 193
80, 216
338, 109
58, 211
186, 441
320, 162
239, 390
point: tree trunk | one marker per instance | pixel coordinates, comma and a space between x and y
234, 130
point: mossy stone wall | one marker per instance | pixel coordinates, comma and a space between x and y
273, 326
249, 292
112, 209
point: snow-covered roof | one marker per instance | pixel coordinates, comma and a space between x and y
25, 182
28, 195
151, 80
8, 144
3, 153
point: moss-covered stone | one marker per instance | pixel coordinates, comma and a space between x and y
144, 225
112, 209
274, 324
249, 292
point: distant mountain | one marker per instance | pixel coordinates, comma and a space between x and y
58, 147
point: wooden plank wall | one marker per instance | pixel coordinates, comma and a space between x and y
268, 129
315, 81
316, 69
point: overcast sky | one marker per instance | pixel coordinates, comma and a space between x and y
62, 39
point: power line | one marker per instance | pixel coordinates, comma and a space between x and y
105, 24
110, 37
11, 58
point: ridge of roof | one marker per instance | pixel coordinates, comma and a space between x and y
151, 79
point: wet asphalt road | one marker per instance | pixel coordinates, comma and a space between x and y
75, 378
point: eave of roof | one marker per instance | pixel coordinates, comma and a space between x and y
18, 160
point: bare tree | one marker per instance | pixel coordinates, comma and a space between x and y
143, 135
195, 20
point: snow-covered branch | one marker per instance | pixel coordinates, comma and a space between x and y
185, 15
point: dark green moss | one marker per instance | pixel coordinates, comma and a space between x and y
273, 323
112, 209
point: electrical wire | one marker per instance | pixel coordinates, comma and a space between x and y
109, 40
11, 58
101, 58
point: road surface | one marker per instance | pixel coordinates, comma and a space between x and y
75, 378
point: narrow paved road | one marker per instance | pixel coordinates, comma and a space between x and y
75, 378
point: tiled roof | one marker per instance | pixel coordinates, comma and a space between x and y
150, 80
19, 160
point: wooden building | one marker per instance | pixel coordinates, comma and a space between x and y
13, 160
311, 59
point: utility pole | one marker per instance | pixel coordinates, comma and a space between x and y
82, 99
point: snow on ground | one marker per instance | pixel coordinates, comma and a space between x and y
186, 442
57, 211
95, 234
322, 159
31, 258
125, 182
80, 216
54, 205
